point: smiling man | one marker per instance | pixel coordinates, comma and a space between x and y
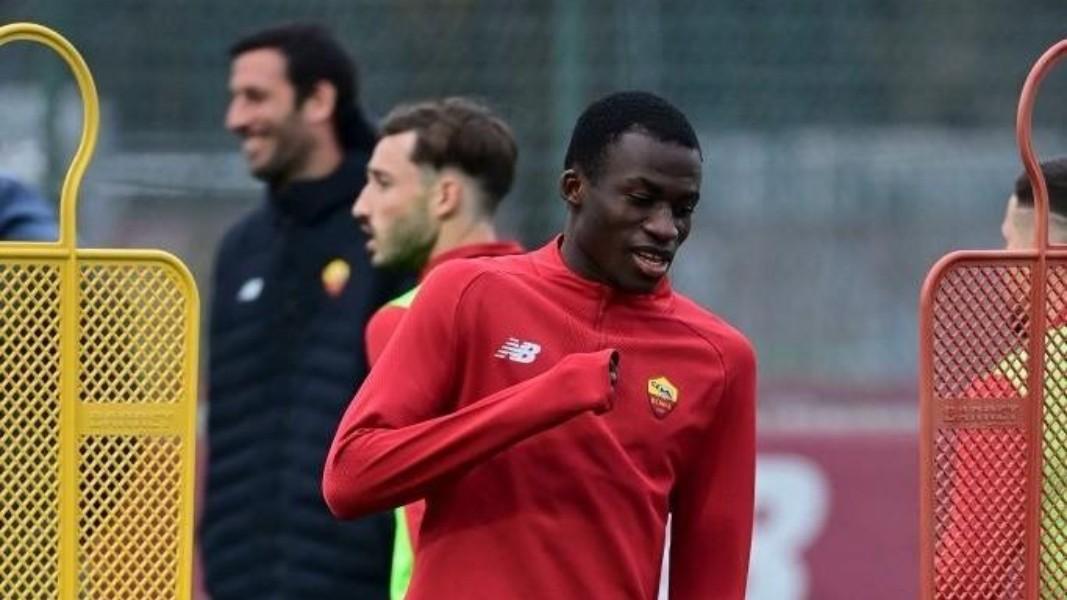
570, 399
292, 292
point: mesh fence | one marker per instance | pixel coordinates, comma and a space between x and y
128, 526
132, 335
122, 427
983, 447
132, 351
1054, 440
980, 485
981, 488
29, 431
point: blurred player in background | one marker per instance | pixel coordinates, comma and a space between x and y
434, 182
24, 215
1019, 217
293, 289
567, 400
977, 547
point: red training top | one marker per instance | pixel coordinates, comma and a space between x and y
383, 324
540, 481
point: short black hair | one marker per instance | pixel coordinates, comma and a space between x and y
1055, 172
313, 54
605, 120
464, 134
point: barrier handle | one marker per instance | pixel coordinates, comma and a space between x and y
1038, 307
1023, 127
68, 203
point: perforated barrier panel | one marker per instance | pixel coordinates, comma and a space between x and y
97, 406
993, 385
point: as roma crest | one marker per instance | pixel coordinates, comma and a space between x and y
335, 276
662, 396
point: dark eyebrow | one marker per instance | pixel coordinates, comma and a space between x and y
656, 189
639, 180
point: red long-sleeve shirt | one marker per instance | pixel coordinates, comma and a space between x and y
540, 481
379, 331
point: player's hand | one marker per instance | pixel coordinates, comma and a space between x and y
584, 370
613, 368
613, 379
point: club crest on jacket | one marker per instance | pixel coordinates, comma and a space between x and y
662, 395
335, 276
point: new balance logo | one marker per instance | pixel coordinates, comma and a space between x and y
250, 290
518, 351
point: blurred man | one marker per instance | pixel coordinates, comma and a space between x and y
293, 289
978, 548
434, 182
24, 215
549, 466
1019, 218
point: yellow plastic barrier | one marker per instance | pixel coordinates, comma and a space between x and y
98, 361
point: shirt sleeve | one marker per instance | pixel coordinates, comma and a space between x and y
400, 436
380, 329
712, 506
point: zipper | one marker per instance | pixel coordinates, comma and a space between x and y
598, 324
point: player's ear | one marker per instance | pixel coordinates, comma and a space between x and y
318, 107
571, 188
447, 197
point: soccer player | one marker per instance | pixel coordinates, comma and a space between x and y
979, 549
567, 400
1019, 218
434, 182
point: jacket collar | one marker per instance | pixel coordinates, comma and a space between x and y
310, 201
549, 261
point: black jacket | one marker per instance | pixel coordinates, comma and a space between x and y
293, 290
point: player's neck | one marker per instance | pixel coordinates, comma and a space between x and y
323, 159
456, 234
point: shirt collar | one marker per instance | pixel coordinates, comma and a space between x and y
472, 251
